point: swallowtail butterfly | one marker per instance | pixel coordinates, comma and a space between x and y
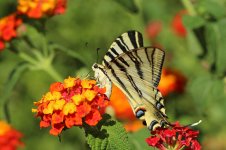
136, 70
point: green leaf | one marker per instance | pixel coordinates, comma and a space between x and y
208, 96
107, 135
69, 52
193, 22
34, 37
129, 5
216, 37
213, 8
137, 139
14, 76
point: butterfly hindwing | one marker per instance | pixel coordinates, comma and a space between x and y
136, 70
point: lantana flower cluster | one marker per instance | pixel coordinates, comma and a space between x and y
32, 9
172, 81
8, 27
40, 8
10, 139
176, 137
71, 103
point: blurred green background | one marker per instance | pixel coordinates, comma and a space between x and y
91, 24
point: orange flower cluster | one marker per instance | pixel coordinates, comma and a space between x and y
9, 137
171, 81
71, 103
8, 27
39, 8
123, 110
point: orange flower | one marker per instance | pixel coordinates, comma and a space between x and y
8, 26
177, 24
123, 110
39, 8
71, 103
171, 81
9, 137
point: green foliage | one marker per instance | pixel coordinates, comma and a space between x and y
107, 135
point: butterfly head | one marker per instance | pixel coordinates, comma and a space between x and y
102, 78
98, 71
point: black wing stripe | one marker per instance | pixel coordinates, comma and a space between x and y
124, 48
140, 39
114, 51
132, 37
117, 78
123, 69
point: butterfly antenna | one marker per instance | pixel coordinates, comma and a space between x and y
87, 75
97, 54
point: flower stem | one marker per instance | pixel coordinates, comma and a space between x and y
52, 72
27, 58
188, 5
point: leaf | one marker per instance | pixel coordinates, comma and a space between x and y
216, 37
193, 22
213, 8
137, 139
107, 135
34, 37
14, 76
129, 5
68, 51
209, 99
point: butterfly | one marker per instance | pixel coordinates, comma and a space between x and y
136, 71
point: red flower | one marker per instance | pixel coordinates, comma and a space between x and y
70, 104
10, 139
153, 29
171, 81
176, 137
40, 8
8, 27
177, 24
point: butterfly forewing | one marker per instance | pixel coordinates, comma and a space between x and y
136, 70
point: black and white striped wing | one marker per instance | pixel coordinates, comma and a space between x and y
136, 71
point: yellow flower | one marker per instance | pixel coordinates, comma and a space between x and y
34, 110
69, 108
88, 83
69, 82
56, 95
59, 104
77, 99
4, 127
89, 94
49, 109
47, 97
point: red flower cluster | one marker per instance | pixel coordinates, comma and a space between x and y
177, 24
8, 27
153, 29
171, 81
70, 104
40, 8
177, 138
9, 137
